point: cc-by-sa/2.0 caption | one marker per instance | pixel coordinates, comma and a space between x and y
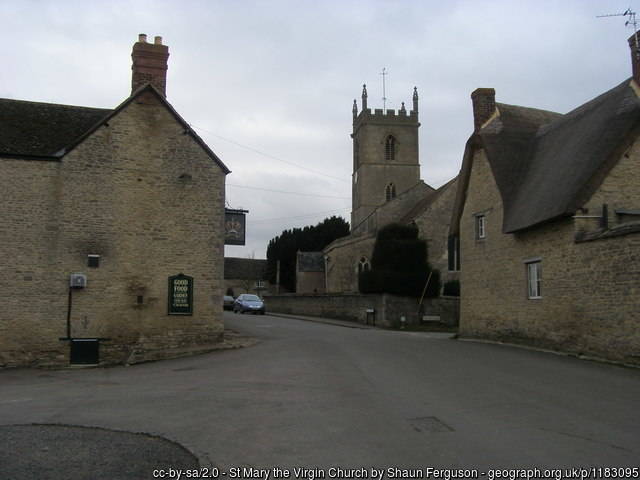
300, 473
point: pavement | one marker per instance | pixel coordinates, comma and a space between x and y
72, 452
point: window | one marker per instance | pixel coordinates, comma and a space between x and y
356, 154
533, 279
390, 192
390, 148
480, 227
363, 265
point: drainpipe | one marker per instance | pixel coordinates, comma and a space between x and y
605, 216
69, 312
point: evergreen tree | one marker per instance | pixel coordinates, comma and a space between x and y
284, 247
399, 264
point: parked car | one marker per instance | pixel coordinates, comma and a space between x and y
249, 303
227, 302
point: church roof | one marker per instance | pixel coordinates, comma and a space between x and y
422, 204
547, 165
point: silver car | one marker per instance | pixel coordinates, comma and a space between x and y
248, 303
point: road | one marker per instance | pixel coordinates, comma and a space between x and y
315, 395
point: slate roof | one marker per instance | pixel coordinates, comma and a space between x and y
547, 165
245, 268
422, 204
43, 130
46, 131
310, 262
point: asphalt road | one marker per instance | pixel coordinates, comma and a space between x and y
321, 396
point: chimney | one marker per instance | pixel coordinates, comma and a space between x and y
149, 64
484, 105
635, 57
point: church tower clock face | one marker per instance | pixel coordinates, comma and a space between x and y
385, 149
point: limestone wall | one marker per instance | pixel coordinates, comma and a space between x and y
149, 201
589, 289
433, 224
343, 256
388, 309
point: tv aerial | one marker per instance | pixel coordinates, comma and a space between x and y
631, 23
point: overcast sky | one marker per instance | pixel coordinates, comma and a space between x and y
269, 85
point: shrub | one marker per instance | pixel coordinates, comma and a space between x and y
399, 265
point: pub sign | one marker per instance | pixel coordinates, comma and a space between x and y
234, 226
180, 298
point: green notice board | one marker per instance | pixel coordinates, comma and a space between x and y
180, 298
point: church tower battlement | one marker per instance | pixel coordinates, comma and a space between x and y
385, 158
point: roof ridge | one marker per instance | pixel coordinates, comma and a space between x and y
581, 109
54, 105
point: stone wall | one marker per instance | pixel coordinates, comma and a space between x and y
387, 309
310, 282
589, 289
343, 256
149, 201
433, 223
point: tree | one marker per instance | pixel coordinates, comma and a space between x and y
284, 247
399, 264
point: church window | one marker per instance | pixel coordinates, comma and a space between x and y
356, 154
363, 265
390, 192
390, 148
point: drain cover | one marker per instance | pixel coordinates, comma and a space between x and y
429, 425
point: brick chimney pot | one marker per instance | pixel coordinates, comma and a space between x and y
635, 58
484, 105
149, 64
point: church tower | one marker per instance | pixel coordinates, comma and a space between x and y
385, 159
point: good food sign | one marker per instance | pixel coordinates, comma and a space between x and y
180, 298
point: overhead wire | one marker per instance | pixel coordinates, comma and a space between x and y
288, 193
298, 217
269, 156
255, 222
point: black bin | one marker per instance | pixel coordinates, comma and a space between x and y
85, 351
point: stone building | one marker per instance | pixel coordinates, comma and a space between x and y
548, 219
386, 188
112, 238
310, 271
245, 275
